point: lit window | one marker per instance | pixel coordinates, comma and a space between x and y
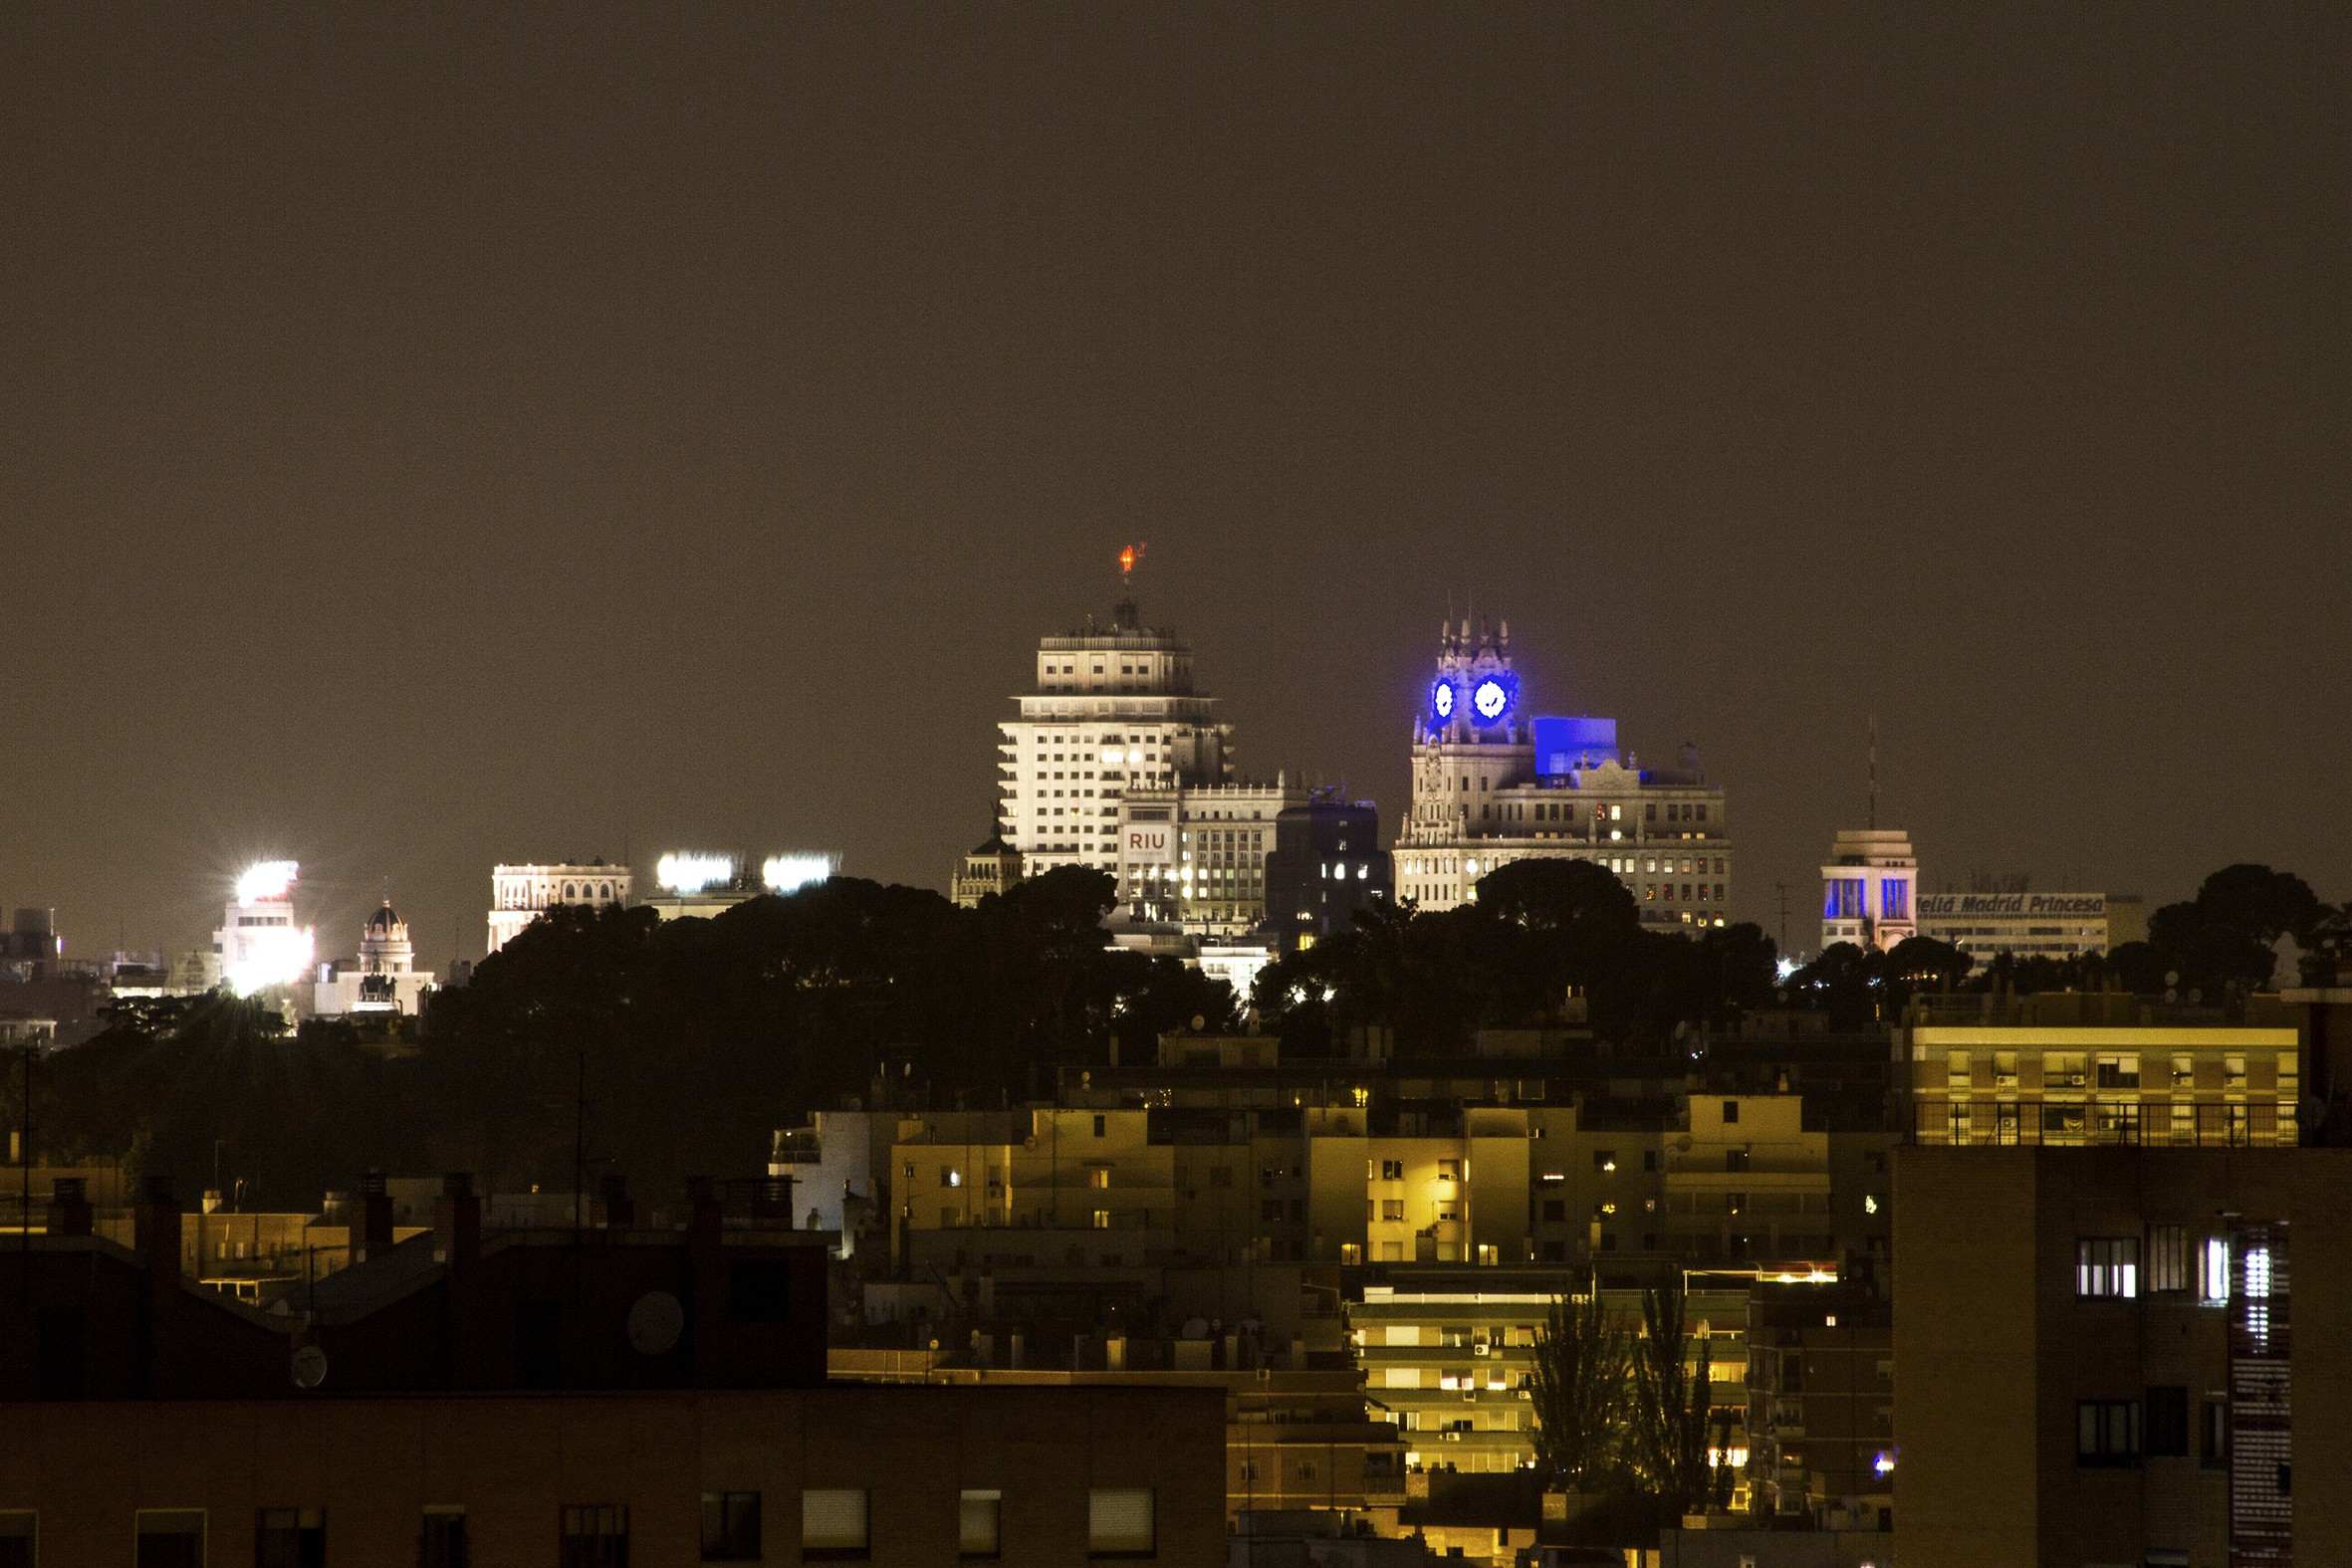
2107, 1267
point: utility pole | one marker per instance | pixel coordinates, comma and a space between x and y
1783, 889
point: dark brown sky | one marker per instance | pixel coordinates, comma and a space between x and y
431, 437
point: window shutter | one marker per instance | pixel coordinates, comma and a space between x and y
1119, 1521
832, 1519
982, 1529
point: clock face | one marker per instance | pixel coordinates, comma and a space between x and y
1490, 699
1441, 699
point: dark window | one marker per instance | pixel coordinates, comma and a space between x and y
442, 1542
2106, 1432
1649, 1159
2214, 1446
1556, 1208
61, 1351
290, 1538
2168, 1422
760, 1291
1731, 1111
1735, 1159
172, 1538
1101, 1123
595, 1536
17, 1541
539, 1344
730, 1526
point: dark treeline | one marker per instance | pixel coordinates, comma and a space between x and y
1539, 931
695, 1038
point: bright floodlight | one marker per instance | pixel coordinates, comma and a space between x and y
265, 879
269, 956
687, 874
786, 873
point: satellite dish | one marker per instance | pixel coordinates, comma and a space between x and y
655, 1323
1196, 1328
309, 1366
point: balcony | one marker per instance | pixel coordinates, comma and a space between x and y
2153, 1124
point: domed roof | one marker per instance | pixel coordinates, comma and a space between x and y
384, 919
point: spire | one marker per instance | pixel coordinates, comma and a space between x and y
1873, 819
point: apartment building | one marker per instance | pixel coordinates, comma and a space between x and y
1820, 1405
1451, 1355
878, 1475
2074, 1069
1294, 1440
2123, 1354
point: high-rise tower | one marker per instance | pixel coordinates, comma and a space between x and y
1114, 709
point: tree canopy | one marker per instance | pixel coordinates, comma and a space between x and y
1537, 931
695, 1038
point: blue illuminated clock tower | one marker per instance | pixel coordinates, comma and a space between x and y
1494, 783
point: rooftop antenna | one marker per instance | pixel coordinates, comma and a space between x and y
1874, 772
1126, 617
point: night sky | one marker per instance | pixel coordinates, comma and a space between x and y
433, 436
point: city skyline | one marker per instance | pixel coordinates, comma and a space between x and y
434, 456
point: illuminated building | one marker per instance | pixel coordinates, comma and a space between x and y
2122, 1355
1454, 1357
1869, 889
1195, 858
1493, 785
382, 978
258, 946
2074, 1068
1114, 711
2032, 924
521, 894
994, 867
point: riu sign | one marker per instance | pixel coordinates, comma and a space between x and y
1153, 844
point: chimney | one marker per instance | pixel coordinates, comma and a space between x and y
457, 1221
156, 1227
375, 1218
69, 1210
156, 1234
621, 1209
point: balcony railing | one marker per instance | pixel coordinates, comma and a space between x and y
2085, 1123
